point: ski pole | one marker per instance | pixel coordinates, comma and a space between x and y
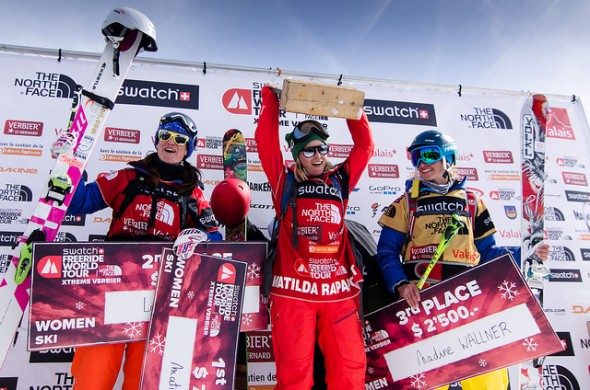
450, 231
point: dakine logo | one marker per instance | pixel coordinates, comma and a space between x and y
487, 118
113, 134
561, 253
574, 178
585, 254
16, 193
498, 156
152, 93
50, 267
226, 274
238, 101
23, 128
565, 275
400, 112
74, 220
51, 85
577, 196
559, 125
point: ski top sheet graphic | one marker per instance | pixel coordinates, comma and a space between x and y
533, 133
127, 31
235, 165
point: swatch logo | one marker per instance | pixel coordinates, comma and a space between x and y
227, 274
152, 93
238, 101
400, 112
565, 275
49, 267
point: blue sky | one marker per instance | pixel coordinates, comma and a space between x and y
529, 45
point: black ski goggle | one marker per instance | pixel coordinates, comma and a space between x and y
179, 139
304, 130
309, 151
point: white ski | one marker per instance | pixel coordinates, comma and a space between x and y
533, 132
126, 31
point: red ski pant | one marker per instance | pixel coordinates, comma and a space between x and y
96, 367
295, 326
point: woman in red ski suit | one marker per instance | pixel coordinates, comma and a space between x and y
146, 200
315, 290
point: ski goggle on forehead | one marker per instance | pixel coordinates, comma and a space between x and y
304, 130
309, 151
185, 121
179, 139
427, 154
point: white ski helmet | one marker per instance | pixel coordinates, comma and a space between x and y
122, 20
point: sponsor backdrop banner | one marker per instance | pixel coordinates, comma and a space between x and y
35, 104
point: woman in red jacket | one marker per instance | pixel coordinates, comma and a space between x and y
315, 290
154, 199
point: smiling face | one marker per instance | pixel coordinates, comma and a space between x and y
432, 172
170, 152
315, 165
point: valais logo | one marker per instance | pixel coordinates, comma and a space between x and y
50, 267
227, 274
238, 101
559, 125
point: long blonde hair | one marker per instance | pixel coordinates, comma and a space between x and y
302, 175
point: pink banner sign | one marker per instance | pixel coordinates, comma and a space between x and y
479, 321
102, 292
193, 334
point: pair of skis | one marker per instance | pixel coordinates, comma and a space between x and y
533, 134
126, 31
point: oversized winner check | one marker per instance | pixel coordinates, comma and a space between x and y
476, 322
102, 292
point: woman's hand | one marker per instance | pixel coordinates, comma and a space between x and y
410, 293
